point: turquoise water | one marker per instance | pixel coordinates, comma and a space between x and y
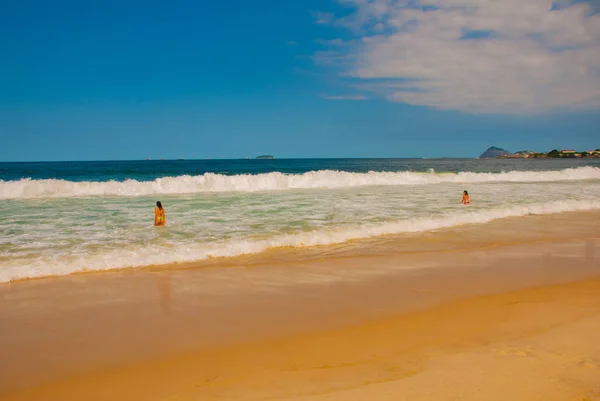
66, 217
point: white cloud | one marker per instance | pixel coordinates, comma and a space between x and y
345, 97
531, 55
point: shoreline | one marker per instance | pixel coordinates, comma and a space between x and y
232, 263
384, 317
356, 248
152, 335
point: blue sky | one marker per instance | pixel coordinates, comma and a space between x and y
105, 80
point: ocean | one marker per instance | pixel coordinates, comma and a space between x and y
64, 217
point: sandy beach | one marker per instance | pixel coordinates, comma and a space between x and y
345, 200
508, 310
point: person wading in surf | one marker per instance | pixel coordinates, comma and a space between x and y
465, 198
159, 215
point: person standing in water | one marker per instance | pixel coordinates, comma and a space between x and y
159, 215
465, 199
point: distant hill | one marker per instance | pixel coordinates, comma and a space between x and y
265, 157
494, 152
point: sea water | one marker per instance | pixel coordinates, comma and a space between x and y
64, 217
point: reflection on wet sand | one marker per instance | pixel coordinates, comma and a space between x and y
164, 288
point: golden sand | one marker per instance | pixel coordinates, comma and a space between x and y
493, 321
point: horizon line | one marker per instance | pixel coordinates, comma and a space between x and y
235, 158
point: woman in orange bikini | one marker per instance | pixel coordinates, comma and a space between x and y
159, 215
465, 198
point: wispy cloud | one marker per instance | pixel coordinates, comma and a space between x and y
484, 56
321, 17
332, 42
291, 43
344, 97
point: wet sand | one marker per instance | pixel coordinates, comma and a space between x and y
474, 314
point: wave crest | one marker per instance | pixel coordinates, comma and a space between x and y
209, 182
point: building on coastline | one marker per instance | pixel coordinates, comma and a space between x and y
527, 154
515, 156
523, 154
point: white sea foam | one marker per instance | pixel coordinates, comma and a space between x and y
177, 253
209, 182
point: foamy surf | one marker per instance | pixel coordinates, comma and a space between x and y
324, 179
15, 269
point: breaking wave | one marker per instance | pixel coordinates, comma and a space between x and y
209, 182
180, 253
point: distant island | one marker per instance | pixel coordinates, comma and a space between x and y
494, 152
265, 157
499, 153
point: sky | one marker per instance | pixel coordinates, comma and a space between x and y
126, 80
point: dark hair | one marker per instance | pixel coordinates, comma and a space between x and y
466, 193
159, 205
